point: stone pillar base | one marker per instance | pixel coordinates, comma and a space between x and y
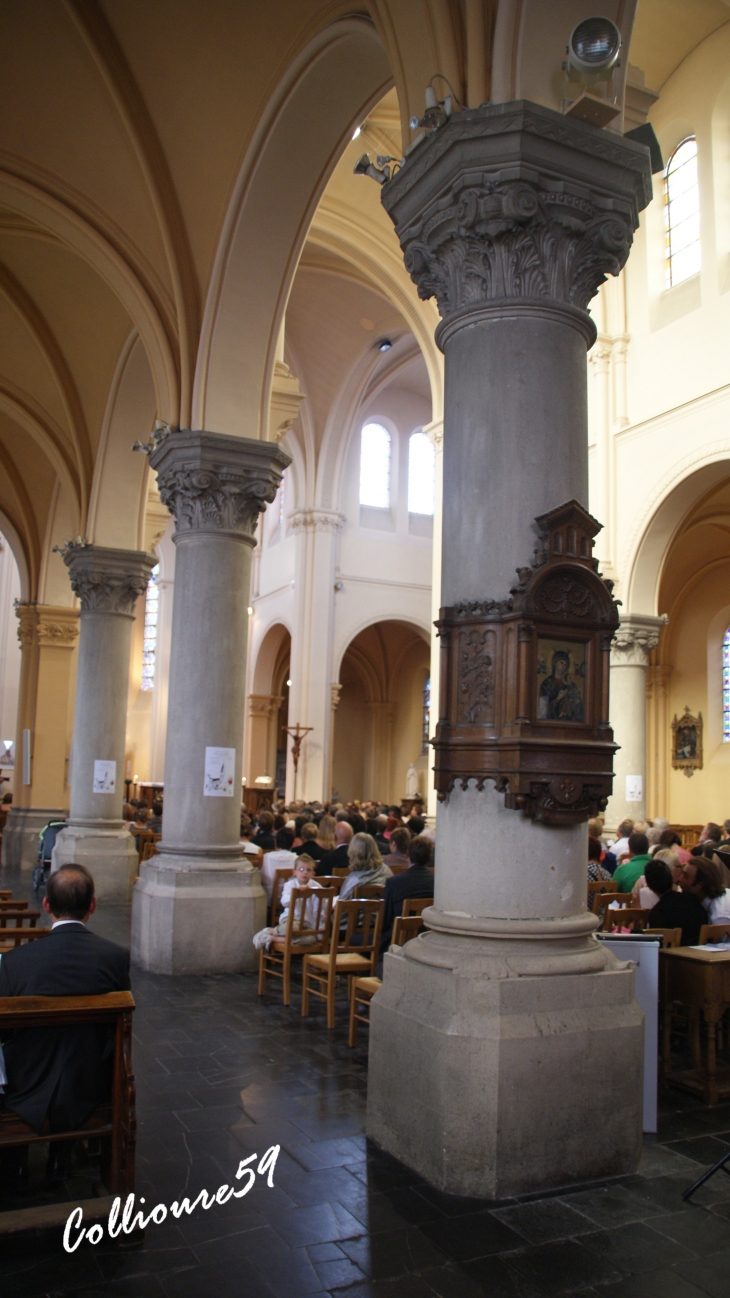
195, 918
20, 835
487, 1083
110, 855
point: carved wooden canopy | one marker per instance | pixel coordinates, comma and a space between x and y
524, 681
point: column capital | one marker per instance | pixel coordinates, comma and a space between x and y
264, 705
47, 625
212, 483
637, 635
317, 520
107, 580
435, 433
335, 692
517, 206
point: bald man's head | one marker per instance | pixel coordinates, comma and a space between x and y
343, 832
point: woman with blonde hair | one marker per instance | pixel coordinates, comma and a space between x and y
366, 865
326, 833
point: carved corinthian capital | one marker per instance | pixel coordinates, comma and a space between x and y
635, 639
513, 204
105, 580
214, 483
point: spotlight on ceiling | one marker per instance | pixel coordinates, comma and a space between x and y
594, 45
357, 132
384, 345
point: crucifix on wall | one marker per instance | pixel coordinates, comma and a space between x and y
297, 734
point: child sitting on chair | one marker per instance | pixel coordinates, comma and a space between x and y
303, 877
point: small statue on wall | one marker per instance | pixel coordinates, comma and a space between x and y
412, 788
687, 742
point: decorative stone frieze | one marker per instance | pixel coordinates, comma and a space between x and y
317, 520
635, 639
214, 483
514, 203
106, 580
47, 626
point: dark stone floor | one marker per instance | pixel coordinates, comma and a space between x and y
221, 1075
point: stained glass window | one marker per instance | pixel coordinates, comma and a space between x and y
421, 464
682, 213
375, 466
726, 687
426, 726
151, 610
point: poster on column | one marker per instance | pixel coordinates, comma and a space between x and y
634, 788
105, 777
220, 764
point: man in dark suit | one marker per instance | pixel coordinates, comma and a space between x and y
338, 857
61, 1073
416, 881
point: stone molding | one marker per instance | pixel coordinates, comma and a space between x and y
435, 434
47, 626
317, 520
264, 705
514, 204
635, 639
335, 692
107, 580
213, 483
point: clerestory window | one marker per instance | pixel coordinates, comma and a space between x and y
375, 466
682, 213
421, 472
151, 610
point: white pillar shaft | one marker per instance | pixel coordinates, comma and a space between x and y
100, 716
635, 638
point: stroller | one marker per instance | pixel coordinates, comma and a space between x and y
46, 841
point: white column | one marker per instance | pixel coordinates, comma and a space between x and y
198, 903
635, 638
510, 215
108, 583
310, 700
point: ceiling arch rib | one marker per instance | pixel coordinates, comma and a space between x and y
51, 351
26, 412
138, 123
119, 270
23, 520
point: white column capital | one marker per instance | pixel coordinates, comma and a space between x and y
637, 635
435, 433
317, 520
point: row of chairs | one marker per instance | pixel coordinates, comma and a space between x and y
334, 939
636, 920
17, 922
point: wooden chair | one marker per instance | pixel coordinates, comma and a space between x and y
20, 915
371, 890
623, 899
9, 905
301, 938
149, 850
330, 881
714, 933
670, 936
281, 876
630, 917
362, 991
114, 1121
14, 935
319, 972
5, 894
340, 871
405, 928
415, 905
144, 837
596, 891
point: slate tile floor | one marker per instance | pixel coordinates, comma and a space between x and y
221, 1075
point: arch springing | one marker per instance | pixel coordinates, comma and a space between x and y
682, 213
421, 474
375, 466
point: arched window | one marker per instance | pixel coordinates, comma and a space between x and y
375, 466
151, 610
726, 687
682, 213
421, 468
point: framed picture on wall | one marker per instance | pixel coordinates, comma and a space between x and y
687, 742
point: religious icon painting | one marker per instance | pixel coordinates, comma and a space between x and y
687, 742
561, 669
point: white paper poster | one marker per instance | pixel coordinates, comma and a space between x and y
105, 777
634, 788
220, 764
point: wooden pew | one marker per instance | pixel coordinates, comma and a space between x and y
14, 934
114, 1121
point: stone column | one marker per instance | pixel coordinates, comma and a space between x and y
108, 583
335, 692
198, 903
317, 532
658, 742
435, 432
47, 635
263, 709
493, 1032
634, 641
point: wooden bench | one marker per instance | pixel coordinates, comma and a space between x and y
13, 934
114, 1121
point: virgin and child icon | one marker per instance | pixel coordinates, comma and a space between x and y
561, 690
